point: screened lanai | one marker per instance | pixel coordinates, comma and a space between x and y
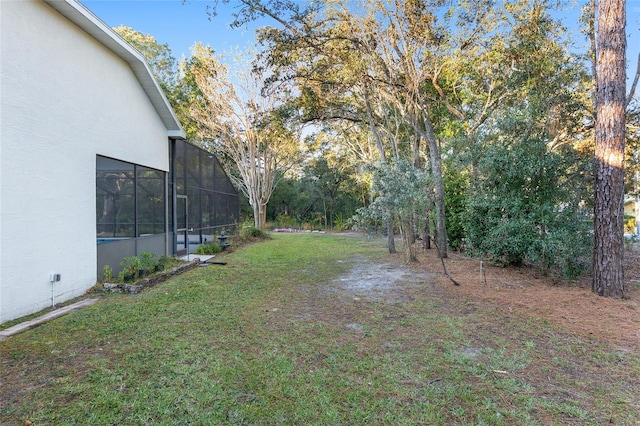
206, 203
142, 209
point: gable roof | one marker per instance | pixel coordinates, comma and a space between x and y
92, 25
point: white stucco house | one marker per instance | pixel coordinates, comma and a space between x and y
92, 157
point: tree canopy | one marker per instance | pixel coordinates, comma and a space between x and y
468, 124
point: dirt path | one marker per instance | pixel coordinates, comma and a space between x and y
341, 300
514, 291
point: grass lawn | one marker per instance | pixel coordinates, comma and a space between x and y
288, 333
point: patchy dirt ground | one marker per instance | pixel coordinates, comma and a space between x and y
375, 297
523, 291
570, 305
379, 282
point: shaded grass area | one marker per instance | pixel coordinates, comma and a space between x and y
275, 337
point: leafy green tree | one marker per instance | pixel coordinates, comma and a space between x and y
326, 192
333, 187
286, 199
426, 82
518, 124
456, 189
402, 189
523, 209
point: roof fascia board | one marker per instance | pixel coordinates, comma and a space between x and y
177, 134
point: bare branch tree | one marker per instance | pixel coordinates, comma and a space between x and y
245, 126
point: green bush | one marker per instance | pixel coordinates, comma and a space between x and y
525, 209
401, 190
107, 273
209, 248
251, 232
130, 267
456, 187
149, 260
285, 221
342, 222
503, 237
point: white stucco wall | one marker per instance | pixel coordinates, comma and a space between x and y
64, 99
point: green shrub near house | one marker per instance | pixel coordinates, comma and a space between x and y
209, 248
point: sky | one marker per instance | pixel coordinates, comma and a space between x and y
180, 24
175, 23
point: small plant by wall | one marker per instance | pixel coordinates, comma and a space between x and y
131, 265
107, 273
148, 262
209, 248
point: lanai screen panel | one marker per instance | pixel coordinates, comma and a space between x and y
130, 200
212, 200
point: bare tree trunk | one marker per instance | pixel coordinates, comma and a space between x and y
436, 170
415, 223
391, 242
256, 215
406, 230
415, 157
259, 214
608, 251
426, 231
263, 216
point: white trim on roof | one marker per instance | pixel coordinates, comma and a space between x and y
92, 25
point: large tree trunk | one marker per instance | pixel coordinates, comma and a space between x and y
426, 230
391, 245
259, 214
438, 181
391, 242
608, 251
256, 215
406, 230
262, 221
